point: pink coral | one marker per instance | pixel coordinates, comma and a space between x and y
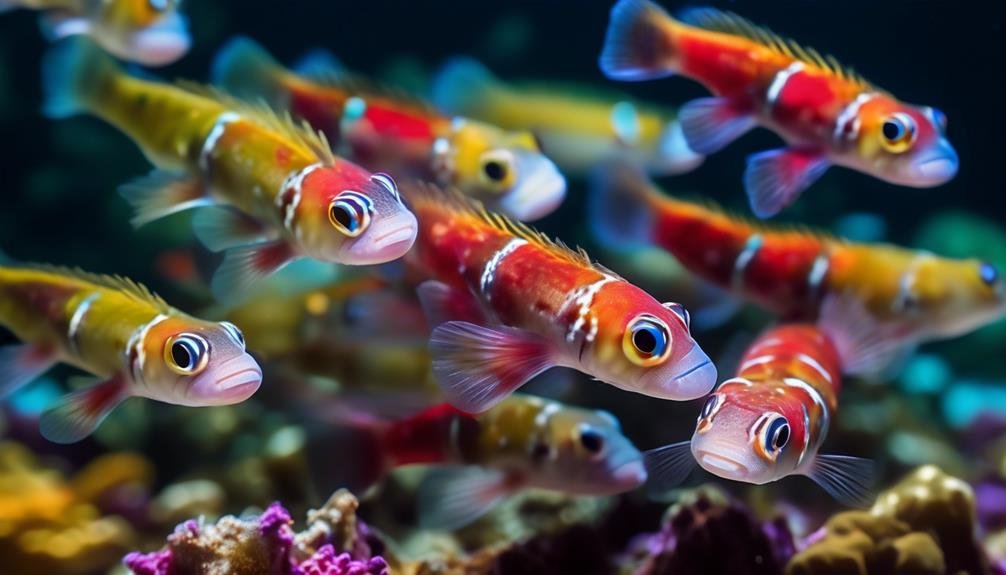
326, 562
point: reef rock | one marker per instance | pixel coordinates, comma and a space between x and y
923, 525
51, 524
707, 532
334, 543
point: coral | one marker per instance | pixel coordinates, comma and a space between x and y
267, 545
49, 524
692, 537
924, 524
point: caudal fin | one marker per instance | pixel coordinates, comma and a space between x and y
638, 45
74, 73
464, 87
245, 69
346, 450
620, 214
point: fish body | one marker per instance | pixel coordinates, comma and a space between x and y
827, 114
508, 303
389, 131
124, 335
271, 191
149, 32
791, 270
522, 442
577, 129
770, 420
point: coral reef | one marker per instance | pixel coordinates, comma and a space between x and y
50, 524
694, 534
923, 525
334, 543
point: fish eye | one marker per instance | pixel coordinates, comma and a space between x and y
647, 341
711, 406
497, 168
234, 332
776, 435
989, 274
388, 183
899, 132
187, 354
591, 439
350, 213
680, 311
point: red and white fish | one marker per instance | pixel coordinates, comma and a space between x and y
827, 114
508, 303
771, 419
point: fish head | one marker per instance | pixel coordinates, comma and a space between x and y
151, 32
505, 170
644, 346
345, 214
952, 297
198, 363
749, 432
585, 452
905, 144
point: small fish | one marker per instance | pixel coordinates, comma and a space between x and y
124, 335
791, 270
149, 32
523, 442
393, 132
827, 114
508, 303
770, 420
575, 127
269, 191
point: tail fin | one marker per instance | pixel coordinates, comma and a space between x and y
245, 69
464, 86
620, 214
637, 45
74, 73
320, 64
347, 449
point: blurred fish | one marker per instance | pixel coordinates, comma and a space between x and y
390, 131
827, 113
149, 32
508, 303
523, 442
122, 333
280, 193
790, 270
576, 128
770, 420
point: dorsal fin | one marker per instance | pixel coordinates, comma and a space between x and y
124, 285
729, 23
457, 201
313, 141
365, 88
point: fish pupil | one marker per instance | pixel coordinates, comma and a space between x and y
645, 340
182, 355
591, 440
989, 273
344, 215
494, 170
893, 129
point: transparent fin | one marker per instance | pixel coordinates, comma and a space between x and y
669, 466
452, 497
847, 479
78, 414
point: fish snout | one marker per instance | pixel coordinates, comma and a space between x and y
388, 241
937, 166
539, 190
233, 381
693, 376
725, 464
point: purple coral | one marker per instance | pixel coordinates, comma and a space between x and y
326, 562
156, 563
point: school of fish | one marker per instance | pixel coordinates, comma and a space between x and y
443, 293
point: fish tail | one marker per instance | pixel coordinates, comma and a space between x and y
75, 72
466, 87
620, 213
245, 69
640, 43
350, 452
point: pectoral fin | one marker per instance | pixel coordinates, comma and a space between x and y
669, 466
711, 124
774, 179
847, 479
478, 366
220, 228
78, 414
161, 193
452, 497
20, 364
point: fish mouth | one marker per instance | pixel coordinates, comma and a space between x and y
540, 190
630, 474
162, 43
938, 167
696, 378
395, 242
721, 465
